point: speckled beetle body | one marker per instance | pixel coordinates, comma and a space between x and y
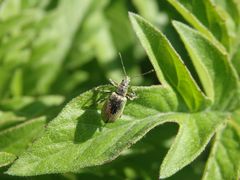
114, 105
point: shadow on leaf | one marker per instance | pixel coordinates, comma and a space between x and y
89, 123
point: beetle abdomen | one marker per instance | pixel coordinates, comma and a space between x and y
113, 107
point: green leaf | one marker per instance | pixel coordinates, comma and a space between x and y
194, 134
36, 41
236, 61
6, 158
17, 138
60, 29
30, 107
168, 64
8, 119
230, 6
117, 15
16, 84
195, 22
181, 155
224, 159
79, 135
227, 16
217, 19
219, 79
149, 10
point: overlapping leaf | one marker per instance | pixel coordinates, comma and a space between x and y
194, 21
224, 160
16, 139
168, 64
217, 75
8, 119
226, 144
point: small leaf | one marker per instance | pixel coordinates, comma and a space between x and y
168, 64
217, 75
60, 30
8, 119
30, 107
224, 159
230, 6
17, 138
194, 21
194, 134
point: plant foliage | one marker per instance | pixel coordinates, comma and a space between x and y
50, 51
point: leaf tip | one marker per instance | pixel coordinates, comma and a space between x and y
132, 16
131, 13
135, 17
20, 168
10, 172
176, 24
16, 171
165, 172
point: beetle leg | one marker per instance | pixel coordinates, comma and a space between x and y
131, 96
99, 101
114, 83
97, 89
105, 91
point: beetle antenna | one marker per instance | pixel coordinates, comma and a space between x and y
124, 70
148, 72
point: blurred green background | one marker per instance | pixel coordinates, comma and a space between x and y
53, 50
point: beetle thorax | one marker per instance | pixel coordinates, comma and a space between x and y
123, 87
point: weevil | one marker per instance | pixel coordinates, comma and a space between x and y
113, 107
